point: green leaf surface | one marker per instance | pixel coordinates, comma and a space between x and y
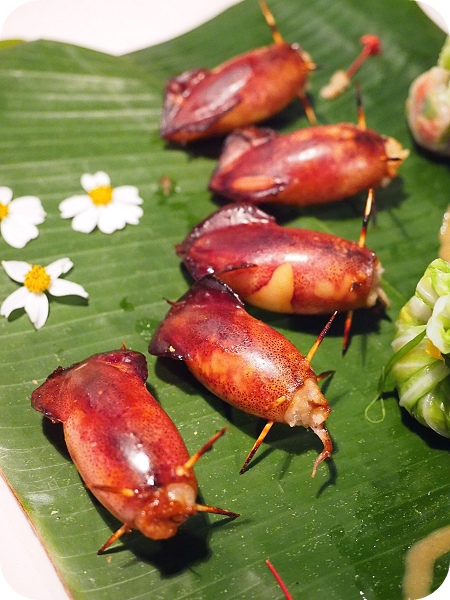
65, 111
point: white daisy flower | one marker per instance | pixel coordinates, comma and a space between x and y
103, 206
19, 217
38, 280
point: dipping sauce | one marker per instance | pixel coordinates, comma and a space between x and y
419, 563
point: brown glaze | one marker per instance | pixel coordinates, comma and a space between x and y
241, 359
244, 90
281, 268
313, 165
125, 447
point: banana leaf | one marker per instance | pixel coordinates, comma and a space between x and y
65, 111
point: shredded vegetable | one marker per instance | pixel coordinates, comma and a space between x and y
422, 373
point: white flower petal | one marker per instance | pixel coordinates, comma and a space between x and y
61, 287
29, 208
36, 304
111, 219
17, 232
15, 300
16, 269
116, 216
58, 267
90, 182
102, 178
36, 307
128, 194
134, 213
86, 221
70, 207
6, 194
123, 209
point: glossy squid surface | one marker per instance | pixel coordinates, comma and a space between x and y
314, 165
242, 360
249, 88
126, 448
282, 269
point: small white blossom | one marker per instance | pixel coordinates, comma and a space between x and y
19, 217
38, 280
104, 206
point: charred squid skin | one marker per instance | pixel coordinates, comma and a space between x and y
125, 447
282, 269
313, 165
241, 359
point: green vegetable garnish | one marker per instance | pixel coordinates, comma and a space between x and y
422, 373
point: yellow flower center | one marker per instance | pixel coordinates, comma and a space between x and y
37, 279
101, 195
4, 210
